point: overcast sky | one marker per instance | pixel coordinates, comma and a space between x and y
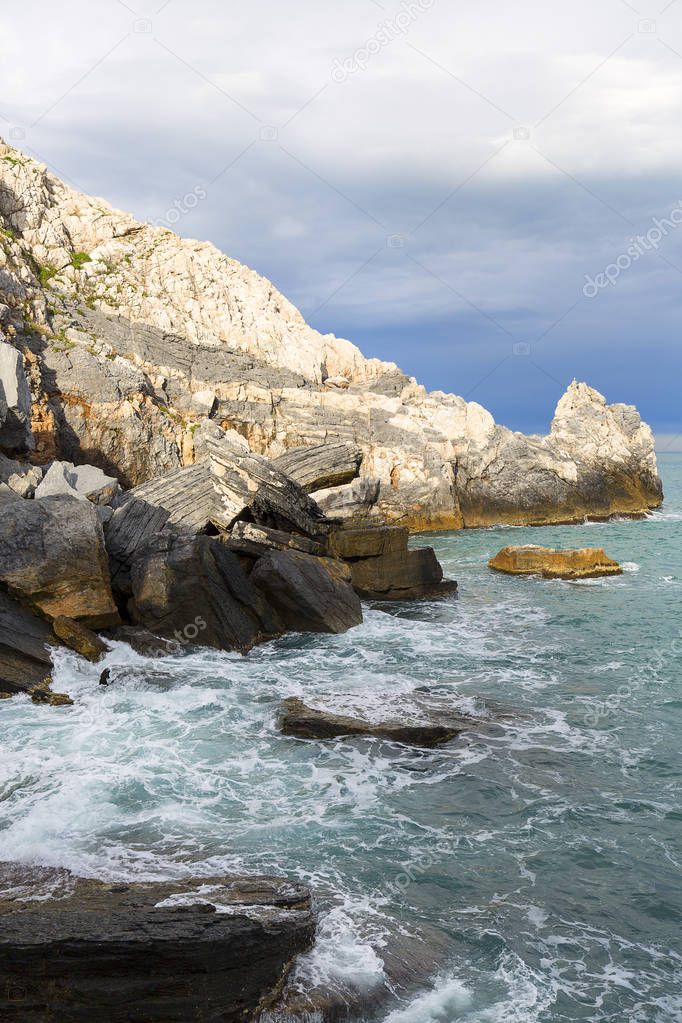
433, 180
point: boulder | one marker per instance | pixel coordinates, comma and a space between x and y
586, 563
195, 591
86, 482
212, 949
309, 594
251, 487
300, 720
19, 476
52, 558
383, 567
15, 402
80, 638
316, 467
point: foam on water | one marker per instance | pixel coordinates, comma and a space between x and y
535, 866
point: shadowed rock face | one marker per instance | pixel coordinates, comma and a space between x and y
193, 589
586, 563
156, 331
309, 594
213, 950
25, 659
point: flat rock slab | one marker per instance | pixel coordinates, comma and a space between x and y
248, 538
319, 466
304, 722
83, 951
585, 563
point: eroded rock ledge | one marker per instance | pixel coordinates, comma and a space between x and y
83, 951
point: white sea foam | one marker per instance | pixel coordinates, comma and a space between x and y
440, 1005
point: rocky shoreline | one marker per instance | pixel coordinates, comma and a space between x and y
134, 339
184, 462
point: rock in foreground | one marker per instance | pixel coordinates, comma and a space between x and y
304, 722
52, 558
214, 950
586, 563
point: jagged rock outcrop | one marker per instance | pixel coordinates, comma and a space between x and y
132, 336
193, 589
213, 949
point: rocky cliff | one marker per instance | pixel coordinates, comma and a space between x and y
133, 337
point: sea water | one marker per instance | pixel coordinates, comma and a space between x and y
535, 863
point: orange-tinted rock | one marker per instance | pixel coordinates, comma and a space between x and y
586, 563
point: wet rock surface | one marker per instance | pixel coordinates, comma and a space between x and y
304, 722
84, 951
81, 639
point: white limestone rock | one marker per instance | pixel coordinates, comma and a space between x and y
161, 332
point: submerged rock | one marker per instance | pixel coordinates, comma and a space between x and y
309, 594
143, 641
586, 563
52, 558
83, 951
304, 722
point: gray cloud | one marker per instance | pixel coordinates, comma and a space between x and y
448, 196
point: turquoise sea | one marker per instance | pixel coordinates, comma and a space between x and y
534, 867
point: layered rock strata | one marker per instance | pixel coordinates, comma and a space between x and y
212, 949
135, 339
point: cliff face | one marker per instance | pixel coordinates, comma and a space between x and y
134, 336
